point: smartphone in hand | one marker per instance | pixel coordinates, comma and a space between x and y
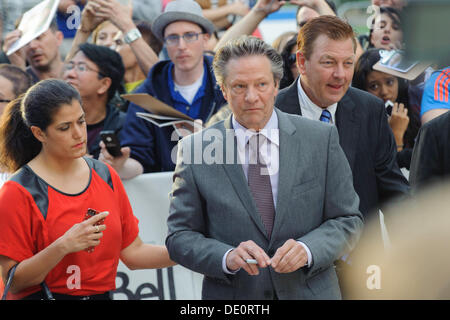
111, 142
89, 214
389, 105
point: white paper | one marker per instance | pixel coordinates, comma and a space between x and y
34, 22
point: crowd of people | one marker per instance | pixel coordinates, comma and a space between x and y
344, 133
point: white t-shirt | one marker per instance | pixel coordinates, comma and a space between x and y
188, 92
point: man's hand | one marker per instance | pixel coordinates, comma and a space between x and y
290, 257
115, 162
247, 250
17, 58
184, 129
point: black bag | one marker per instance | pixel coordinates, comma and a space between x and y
47, 293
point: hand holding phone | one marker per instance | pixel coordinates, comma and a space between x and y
111, 142
89, 214
389, 105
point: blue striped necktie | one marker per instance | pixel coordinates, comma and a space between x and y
325, 116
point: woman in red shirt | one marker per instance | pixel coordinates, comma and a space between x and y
43, 221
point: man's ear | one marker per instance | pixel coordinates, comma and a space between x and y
206, 37
300, 62
38, 133
106, 82
59, 37
224, 92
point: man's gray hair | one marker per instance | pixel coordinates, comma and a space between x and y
245, 46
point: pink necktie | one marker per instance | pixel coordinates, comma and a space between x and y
259, 183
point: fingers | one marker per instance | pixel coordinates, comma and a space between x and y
399, 109
126, 152
84, 235
95, 230
104, 154
11, 38
107, 157
289, 257
198, 125
247, 250
91, 7
402, 110
97, 219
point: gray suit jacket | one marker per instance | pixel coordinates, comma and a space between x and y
212, 211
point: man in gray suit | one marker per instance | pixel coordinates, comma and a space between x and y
262, 203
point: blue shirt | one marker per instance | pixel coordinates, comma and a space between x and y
180, 104
436, 92
63, 25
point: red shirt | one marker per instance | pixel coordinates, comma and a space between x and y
33, 214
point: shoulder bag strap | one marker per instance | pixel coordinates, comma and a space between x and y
9, 281
47, 293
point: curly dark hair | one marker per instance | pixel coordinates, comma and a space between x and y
362, 69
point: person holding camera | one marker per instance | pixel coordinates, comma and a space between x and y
97, 73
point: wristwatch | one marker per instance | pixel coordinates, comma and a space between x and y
132, 35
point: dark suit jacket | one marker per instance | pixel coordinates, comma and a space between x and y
212, 211
431, 156
368, 143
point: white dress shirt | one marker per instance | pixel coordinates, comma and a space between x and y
309, 109
270, 153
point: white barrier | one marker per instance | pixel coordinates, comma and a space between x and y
149, 198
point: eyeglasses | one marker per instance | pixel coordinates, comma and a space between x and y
174, 39
80, 68
5, 101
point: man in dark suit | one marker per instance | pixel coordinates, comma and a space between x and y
325, 59
431, 156
269, 228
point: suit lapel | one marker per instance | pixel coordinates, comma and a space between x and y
289, 102
347, 118
348, 126
235, 173
289, 158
